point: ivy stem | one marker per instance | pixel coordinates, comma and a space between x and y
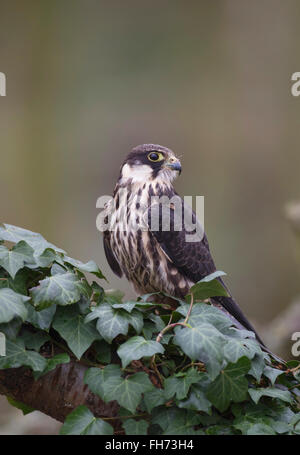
168, 327
200, 364
190, 308
171, 326
294, 386
154, 367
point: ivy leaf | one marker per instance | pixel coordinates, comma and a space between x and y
17, 356
11, 328
34, 340
128, 391
18, 284
15, 259
11, 305
176, 421
61, 289
235, 348
95, 378
136, 320
46, 258
51, 364
273, 392
37, 242
70, 324
129, 306
257, 367
90, 266
135, 427
23, 407
40, 319
203, 313
110, 322
203, 343
272, 373
260, 429
179, 385
154, 398
230, 385
103, 351
208, 287
82, 421
196, 401
136, 348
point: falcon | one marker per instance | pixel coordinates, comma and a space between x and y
158, 259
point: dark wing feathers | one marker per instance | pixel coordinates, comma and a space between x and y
193, 259
111, 259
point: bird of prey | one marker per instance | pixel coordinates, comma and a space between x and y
157, 259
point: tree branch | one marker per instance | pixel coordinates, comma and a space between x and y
56, 393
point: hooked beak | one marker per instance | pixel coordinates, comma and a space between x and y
174, 164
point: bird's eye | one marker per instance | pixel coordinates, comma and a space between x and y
155, 156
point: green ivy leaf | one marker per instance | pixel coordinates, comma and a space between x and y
37, 242
95, 378
34, 340
61, 289
257, 367
23, 407
136, 348
235, 348
230, 385
40, 319
12, 328
46, 258
260, 429
103, 351
70, 324
272, 373
129, 306
154, 398
51, 364
110, 322
128, 391
135, 427
82, 421
15, 259
17, 356
204, 343
89, 266
273, 392
179, 385
208, 287
203, 313
176, 421
12, 305
196, 401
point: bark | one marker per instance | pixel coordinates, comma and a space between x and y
57, 393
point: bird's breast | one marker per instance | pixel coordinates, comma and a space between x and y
140, 256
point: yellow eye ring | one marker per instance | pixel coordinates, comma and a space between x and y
155, 156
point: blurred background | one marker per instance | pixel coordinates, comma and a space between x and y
88, 80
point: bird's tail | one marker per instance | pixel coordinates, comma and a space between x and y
240, 320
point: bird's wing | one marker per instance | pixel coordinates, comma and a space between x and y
111, 258
166, 223
192, 259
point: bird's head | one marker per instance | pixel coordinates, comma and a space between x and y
150, 162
